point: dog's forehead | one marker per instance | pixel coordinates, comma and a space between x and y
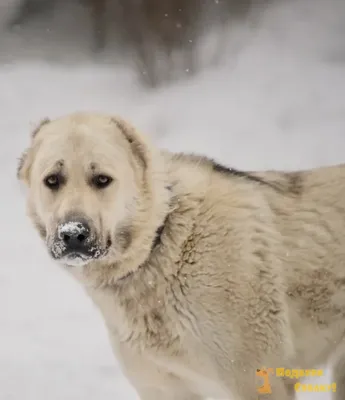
77, 126
82, 143
82, 130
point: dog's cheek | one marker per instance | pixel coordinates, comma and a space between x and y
34, 211
37, 222
123, 238
41, 229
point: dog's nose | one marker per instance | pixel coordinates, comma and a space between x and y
74, 234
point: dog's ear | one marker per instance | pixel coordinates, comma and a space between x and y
136, 141
26, 159
44, 121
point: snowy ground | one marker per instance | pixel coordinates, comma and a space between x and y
277, 102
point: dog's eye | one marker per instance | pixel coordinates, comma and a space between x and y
102, 181
52, 181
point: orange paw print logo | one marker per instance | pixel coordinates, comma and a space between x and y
264, 374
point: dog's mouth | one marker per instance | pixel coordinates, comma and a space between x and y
78, 256
75, 259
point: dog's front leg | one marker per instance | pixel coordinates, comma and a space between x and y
151, 382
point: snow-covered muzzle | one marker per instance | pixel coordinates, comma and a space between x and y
75, 243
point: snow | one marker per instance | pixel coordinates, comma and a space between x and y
276, 101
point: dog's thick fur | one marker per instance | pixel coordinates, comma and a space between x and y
212, 273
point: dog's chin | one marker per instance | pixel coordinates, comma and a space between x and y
75, 260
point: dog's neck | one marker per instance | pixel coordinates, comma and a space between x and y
156, 242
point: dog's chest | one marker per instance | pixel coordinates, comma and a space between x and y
140, 320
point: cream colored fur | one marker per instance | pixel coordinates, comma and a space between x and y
249, 270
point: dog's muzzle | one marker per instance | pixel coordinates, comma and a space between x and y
75, 244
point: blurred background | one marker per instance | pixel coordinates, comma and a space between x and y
256, 84
159, 38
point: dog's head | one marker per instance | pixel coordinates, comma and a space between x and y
89, 186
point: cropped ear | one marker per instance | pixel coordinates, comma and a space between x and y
136, 141
26, 159
44, 121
